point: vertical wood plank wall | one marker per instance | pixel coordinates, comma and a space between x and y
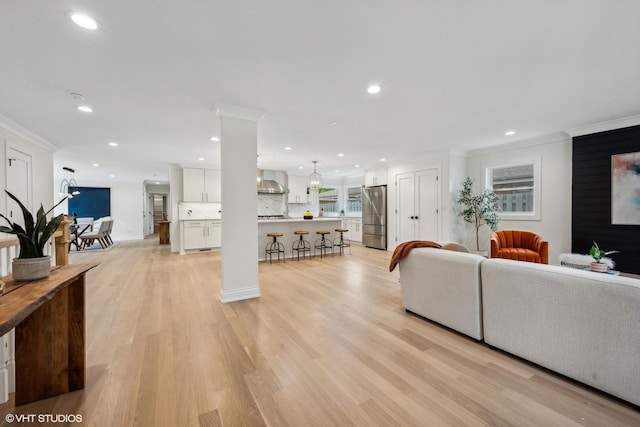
591, 197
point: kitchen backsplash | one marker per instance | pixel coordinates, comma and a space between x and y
272, 204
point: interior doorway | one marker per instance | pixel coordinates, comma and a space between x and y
418, 215
159, 210
18, 183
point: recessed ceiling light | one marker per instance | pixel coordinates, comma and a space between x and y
96, 165
383, 159
356, 166
113, 144
510, 132
333, 123
157, 182
337, 170
300, 167
214, 138
201, 158
373, 89
340, 154
288, 148
84, 21
85, 108
112, 176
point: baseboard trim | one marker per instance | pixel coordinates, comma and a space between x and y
239, 294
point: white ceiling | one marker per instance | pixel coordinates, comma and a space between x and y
454, 74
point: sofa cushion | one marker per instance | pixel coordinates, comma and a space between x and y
519, 254
452, 246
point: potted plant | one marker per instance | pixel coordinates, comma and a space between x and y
479, 209
599, 263
31, 263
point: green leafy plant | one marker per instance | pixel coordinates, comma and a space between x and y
479, 209
597, 254
35, 233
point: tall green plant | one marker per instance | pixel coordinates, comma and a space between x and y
35, 233
478, 209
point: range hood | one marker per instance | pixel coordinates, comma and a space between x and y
269, 186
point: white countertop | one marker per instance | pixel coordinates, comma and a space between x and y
271, 221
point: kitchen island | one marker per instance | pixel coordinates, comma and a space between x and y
288, 226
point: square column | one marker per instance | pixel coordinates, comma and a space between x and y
238, 151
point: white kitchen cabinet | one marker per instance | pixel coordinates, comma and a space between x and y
375, 177
298, 189
354, 225
201, 185
202, 234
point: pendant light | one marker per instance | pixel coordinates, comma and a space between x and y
315, 180
68, 183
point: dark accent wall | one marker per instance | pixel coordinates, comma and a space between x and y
591, 197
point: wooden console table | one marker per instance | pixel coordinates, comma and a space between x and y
48, 317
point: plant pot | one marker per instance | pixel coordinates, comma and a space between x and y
599, 267
25, 269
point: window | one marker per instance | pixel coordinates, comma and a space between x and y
354, 199
518, 189
328, 198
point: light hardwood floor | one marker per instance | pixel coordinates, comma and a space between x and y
327, 344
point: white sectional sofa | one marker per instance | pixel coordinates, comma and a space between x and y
580, 324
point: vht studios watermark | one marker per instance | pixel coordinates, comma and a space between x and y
43, 418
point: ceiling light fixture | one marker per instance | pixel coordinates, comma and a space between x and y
201, 158
68, 185
113, 144
79, 99
112, 176
510, 132
315, 180
214, 138
383, 159
84, 21
300, 167
373, 89
356, 166
96, 165
288, 148
340, 154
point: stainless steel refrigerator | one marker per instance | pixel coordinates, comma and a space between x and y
374, 217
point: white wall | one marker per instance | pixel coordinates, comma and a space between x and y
127, 205
555, 153
175, 196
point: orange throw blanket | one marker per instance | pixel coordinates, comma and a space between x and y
403, 249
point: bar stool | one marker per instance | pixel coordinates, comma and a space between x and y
341, 241
301, 244
322, 243
274, 247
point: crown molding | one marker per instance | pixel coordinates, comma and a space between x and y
605, 126
14, 127
523, 143
232, 111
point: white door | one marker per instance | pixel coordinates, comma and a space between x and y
405, 188
18, 183
418, 213
427, 212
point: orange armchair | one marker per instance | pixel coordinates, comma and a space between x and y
519, 245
